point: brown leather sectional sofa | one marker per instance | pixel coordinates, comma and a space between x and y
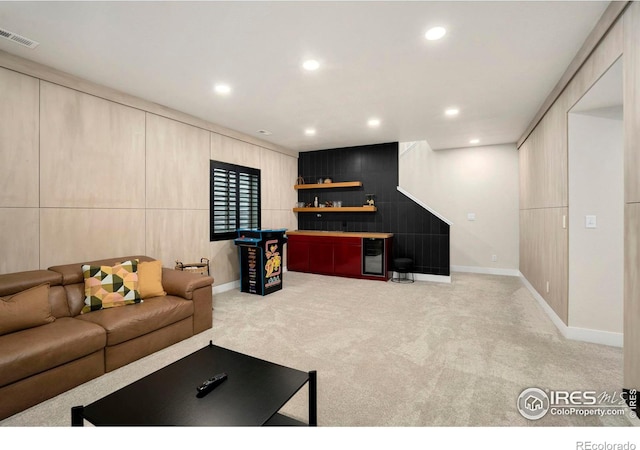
41, 362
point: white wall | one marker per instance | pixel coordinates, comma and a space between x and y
480, 180
596, 258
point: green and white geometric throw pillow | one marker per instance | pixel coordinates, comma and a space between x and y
109, 287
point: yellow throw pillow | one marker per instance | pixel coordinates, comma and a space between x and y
26, 309
150, 279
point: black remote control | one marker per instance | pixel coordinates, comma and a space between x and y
210, 384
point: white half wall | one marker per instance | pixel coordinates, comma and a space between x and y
596, 255
482, 181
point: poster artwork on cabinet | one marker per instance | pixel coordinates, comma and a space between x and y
273, 266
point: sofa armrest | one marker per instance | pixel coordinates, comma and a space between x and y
183, 284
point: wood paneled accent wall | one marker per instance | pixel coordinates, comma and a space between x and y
88, 173
632, 197
19, 187
543, 185
543, 255
91, 151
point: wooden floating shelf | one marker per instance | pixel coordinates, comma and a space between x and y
343, 184
340, 209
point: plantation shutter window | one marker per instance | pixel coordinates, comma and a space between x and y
235, 199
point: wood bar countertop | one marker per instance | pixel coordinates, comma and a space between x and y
339, 234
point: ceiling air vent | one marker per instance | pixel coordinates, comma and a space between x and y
18, 39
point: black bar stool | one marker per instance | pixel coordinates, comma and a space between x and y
403, 267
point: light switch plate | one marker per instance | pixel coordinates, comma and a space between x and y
471, 216
590, 222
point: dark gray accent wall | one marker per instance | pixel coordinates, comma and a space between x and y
418, 234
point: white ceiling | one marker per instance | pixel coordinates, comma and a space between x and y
497, 63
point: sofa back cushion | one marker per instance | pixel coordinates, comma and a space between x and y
58, 301
72, 273
75, 298
12, 283
26, 309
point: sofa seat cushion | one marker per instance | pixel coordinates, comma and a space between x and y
124, 324
35, 350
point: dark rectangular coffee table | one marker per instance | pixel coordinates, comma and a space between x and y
252, 395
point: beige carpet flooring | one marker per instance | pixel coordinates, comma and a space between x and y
392, 355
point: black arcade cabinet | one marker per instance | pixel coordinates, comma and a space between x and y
260, 260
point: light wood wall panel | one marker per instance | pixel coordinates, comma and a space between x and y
632, 194
177, 166
557, 254
606, 22
234, 151
278, 174
544, 255
19, 249
526, 171
554, 161
632, 103
543, 162
225, 262
40, 71
632, 297
174, 234
19, 132
279, 218
91, 151
69, 235
604, 55
544, 182
106, 188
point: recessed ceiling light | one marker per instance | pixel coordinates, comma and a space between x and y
452, 112
222, 89
310, 132
373, 123
311, 64
474, 141
435, 33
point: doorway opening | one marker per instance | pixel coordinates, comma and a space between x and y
596, 207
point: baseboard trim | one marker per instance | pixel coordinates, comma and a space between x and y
595, 336
232, 285
486, 270
575, 333
434, 278
226, 287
